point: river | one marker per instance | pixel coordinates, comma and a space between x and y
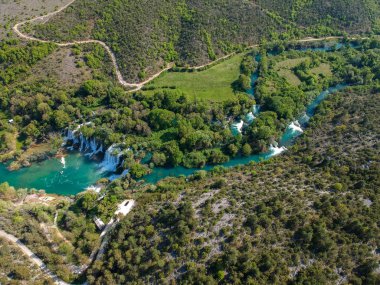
77, 172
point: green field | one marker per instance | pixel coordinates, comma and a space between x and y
213, 84
323, 69
283, 68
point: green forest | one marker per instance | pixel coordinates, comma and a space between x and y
173, 128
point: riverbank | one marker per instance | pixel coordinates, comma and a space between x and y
75, 172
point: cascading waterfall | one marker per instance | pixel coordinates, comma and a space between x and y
295, 127
256, 109
304, 119
276, 150
111, 159
91, 147
85, 145
249, 118
237, 128
116, 176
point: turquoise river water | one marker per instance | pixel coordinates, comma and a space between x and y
80, 172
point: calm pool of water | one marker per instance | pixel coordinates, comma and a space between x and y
51, 176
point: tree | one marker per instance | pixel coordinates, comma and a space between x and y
246, 149
7, 192
243, 83
61, 119
159, 159
216, 156
160, 119
197, 140
137, 170
88, 200
20, 272
283, 106
195, 159
173, 153
31, 130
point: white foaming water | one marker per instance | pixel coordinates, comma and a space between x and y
256, 109
238, 126
295, 127
93, 145
90, 146
63, 161
83, 143
250, 118
93, 188
275, 150
111, 159
116, 176
71, 134
304, 119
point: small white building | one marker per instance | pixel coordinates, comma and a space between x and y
99, 223
125, 207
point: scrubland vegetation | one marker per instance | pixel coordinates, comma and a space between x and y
15, 268
309, 216
144, 36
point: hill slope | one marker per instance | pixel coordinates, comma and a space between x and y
305, 218
146, 34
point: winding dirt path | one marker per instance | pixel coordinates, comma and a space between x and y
134, 86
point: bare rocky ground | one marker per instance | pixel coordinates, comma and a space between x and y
12, 11
65, 68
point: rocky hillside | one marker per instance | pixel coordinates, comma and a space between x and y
308, 217
145, 35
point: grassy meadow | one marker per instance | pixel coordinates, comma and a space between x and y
284, 69
213, 84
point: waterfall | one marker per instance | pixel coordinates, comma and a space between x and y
93, 145
94, 188
295, 127
249, 118
111, 159
89, 145
116, 176
276, 150
83, 143
100, 149
70, 136
237, 128
256, 109
304, 119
